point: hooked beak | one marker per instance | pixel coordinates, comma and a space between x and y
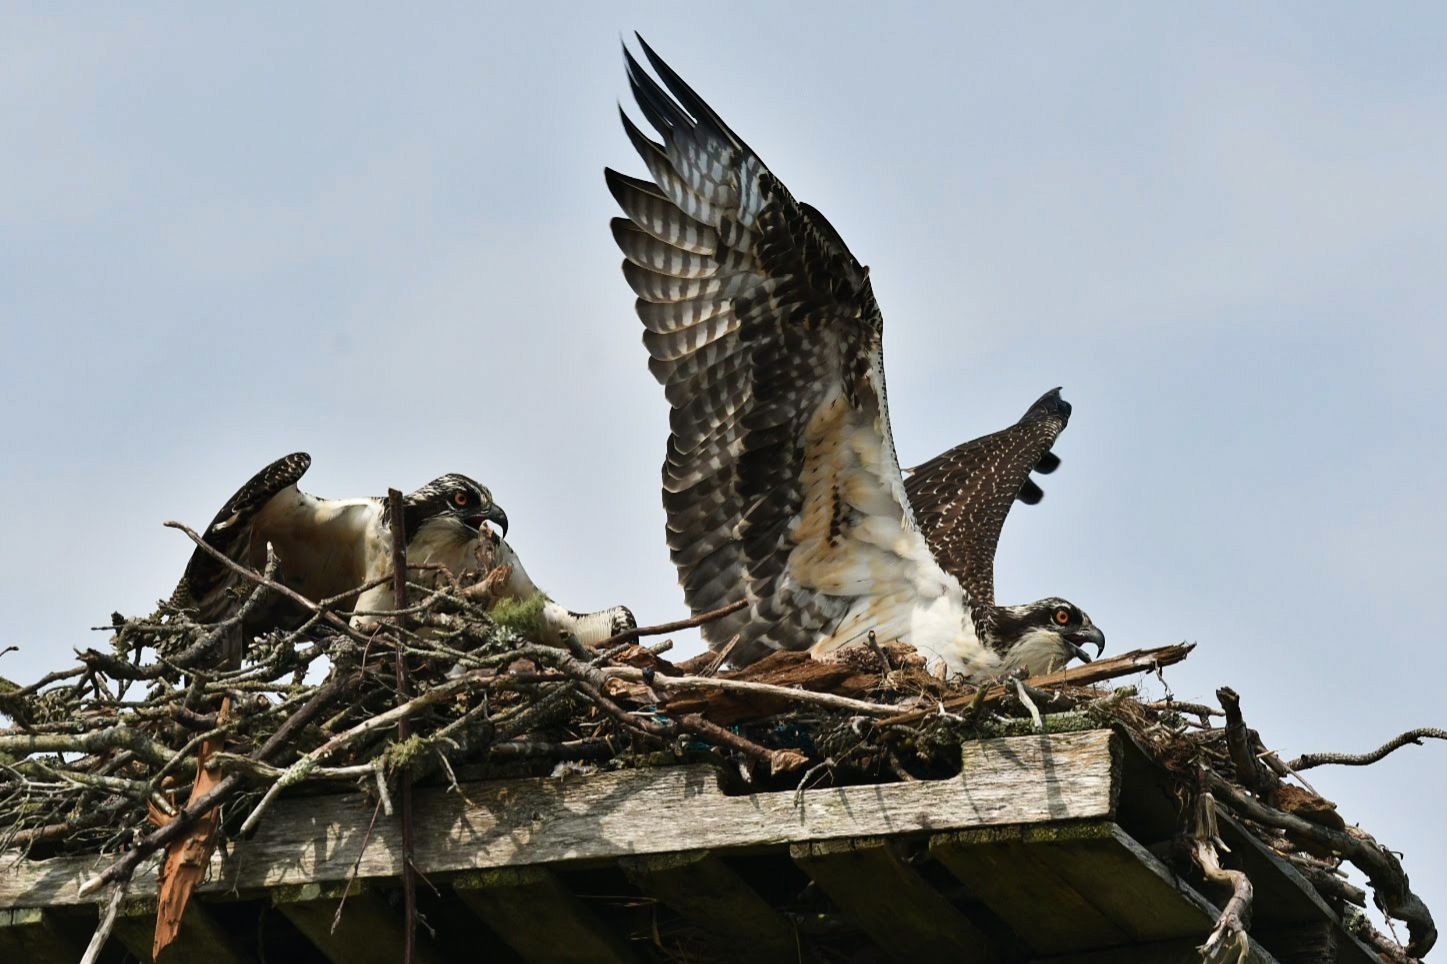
1086, 634
493, 514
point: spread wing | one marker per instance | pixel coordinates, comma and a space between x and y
780, 482
961, 498
207, 585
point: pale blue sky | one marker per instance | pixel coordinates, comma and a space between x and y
1222, 229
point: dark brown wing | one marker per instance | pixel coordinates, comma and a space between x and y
961, 498
209, 587
757, 321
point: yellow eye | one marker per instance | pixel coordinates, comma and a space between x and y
460, 498
1062, 616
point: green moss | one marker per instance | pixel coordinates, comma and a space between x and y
523, 617
405, 753
1069, 722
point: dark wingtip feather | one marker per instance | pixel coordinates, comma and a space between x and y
617, 183
687, 96
1049, 405
660, 109
1048, 463
1030, 493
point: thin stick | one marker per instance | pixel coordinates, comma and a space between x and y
1308, 760
356, 866
685, 683
631, 634
1227, 940
404, 726
1136, 661
107, 922
779, 761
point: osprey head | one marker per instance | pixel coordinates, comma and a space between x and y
452, 496
1044, 635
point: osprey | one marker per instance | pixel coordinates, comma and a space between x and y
781, 484
328, 547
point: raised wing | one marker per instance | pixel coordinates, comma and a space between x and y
780, 483
960, 498
207, 585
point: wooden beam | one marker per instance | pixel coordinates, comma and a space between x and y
200, 938
370, 931
604, 816
907, 918
1160, 916
37, 937
1023, 888
1314, 943
1165, 952
539, 918
703, 890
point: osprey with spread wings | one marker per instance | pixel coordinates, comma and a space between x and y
781, 483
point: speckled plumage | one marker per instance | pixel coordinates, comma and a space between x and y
961, 497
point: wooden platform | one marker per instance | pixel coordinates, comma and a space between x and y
1038, 852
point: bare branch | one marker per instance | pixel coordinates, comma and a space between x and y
1415, 737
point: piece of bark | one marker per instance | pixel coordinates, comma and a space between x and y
188, 857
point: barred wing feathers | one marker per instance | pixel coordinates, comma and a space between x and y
780, 483
961, 497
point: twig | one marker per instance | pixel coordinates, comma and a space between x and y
356, 866
404, 728
629, 635
96, 741
1228, 940
1137, 661
779, 761
721, 656
1415, 737
686, 683
1029, 705
107, 922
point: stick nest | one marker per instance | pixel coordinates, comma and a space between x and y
93, 748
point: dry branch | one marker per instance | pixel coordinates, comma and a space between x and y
1098, 671
1380, 865
1415, 737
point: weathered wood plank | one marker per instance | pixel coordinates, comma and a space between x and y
702, 889
907, 918
36, 937
1128, 883
1136, 897
200, 937
539, 918
1314, 943
1165, 952
370, 931
1013, 780
1016, 882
